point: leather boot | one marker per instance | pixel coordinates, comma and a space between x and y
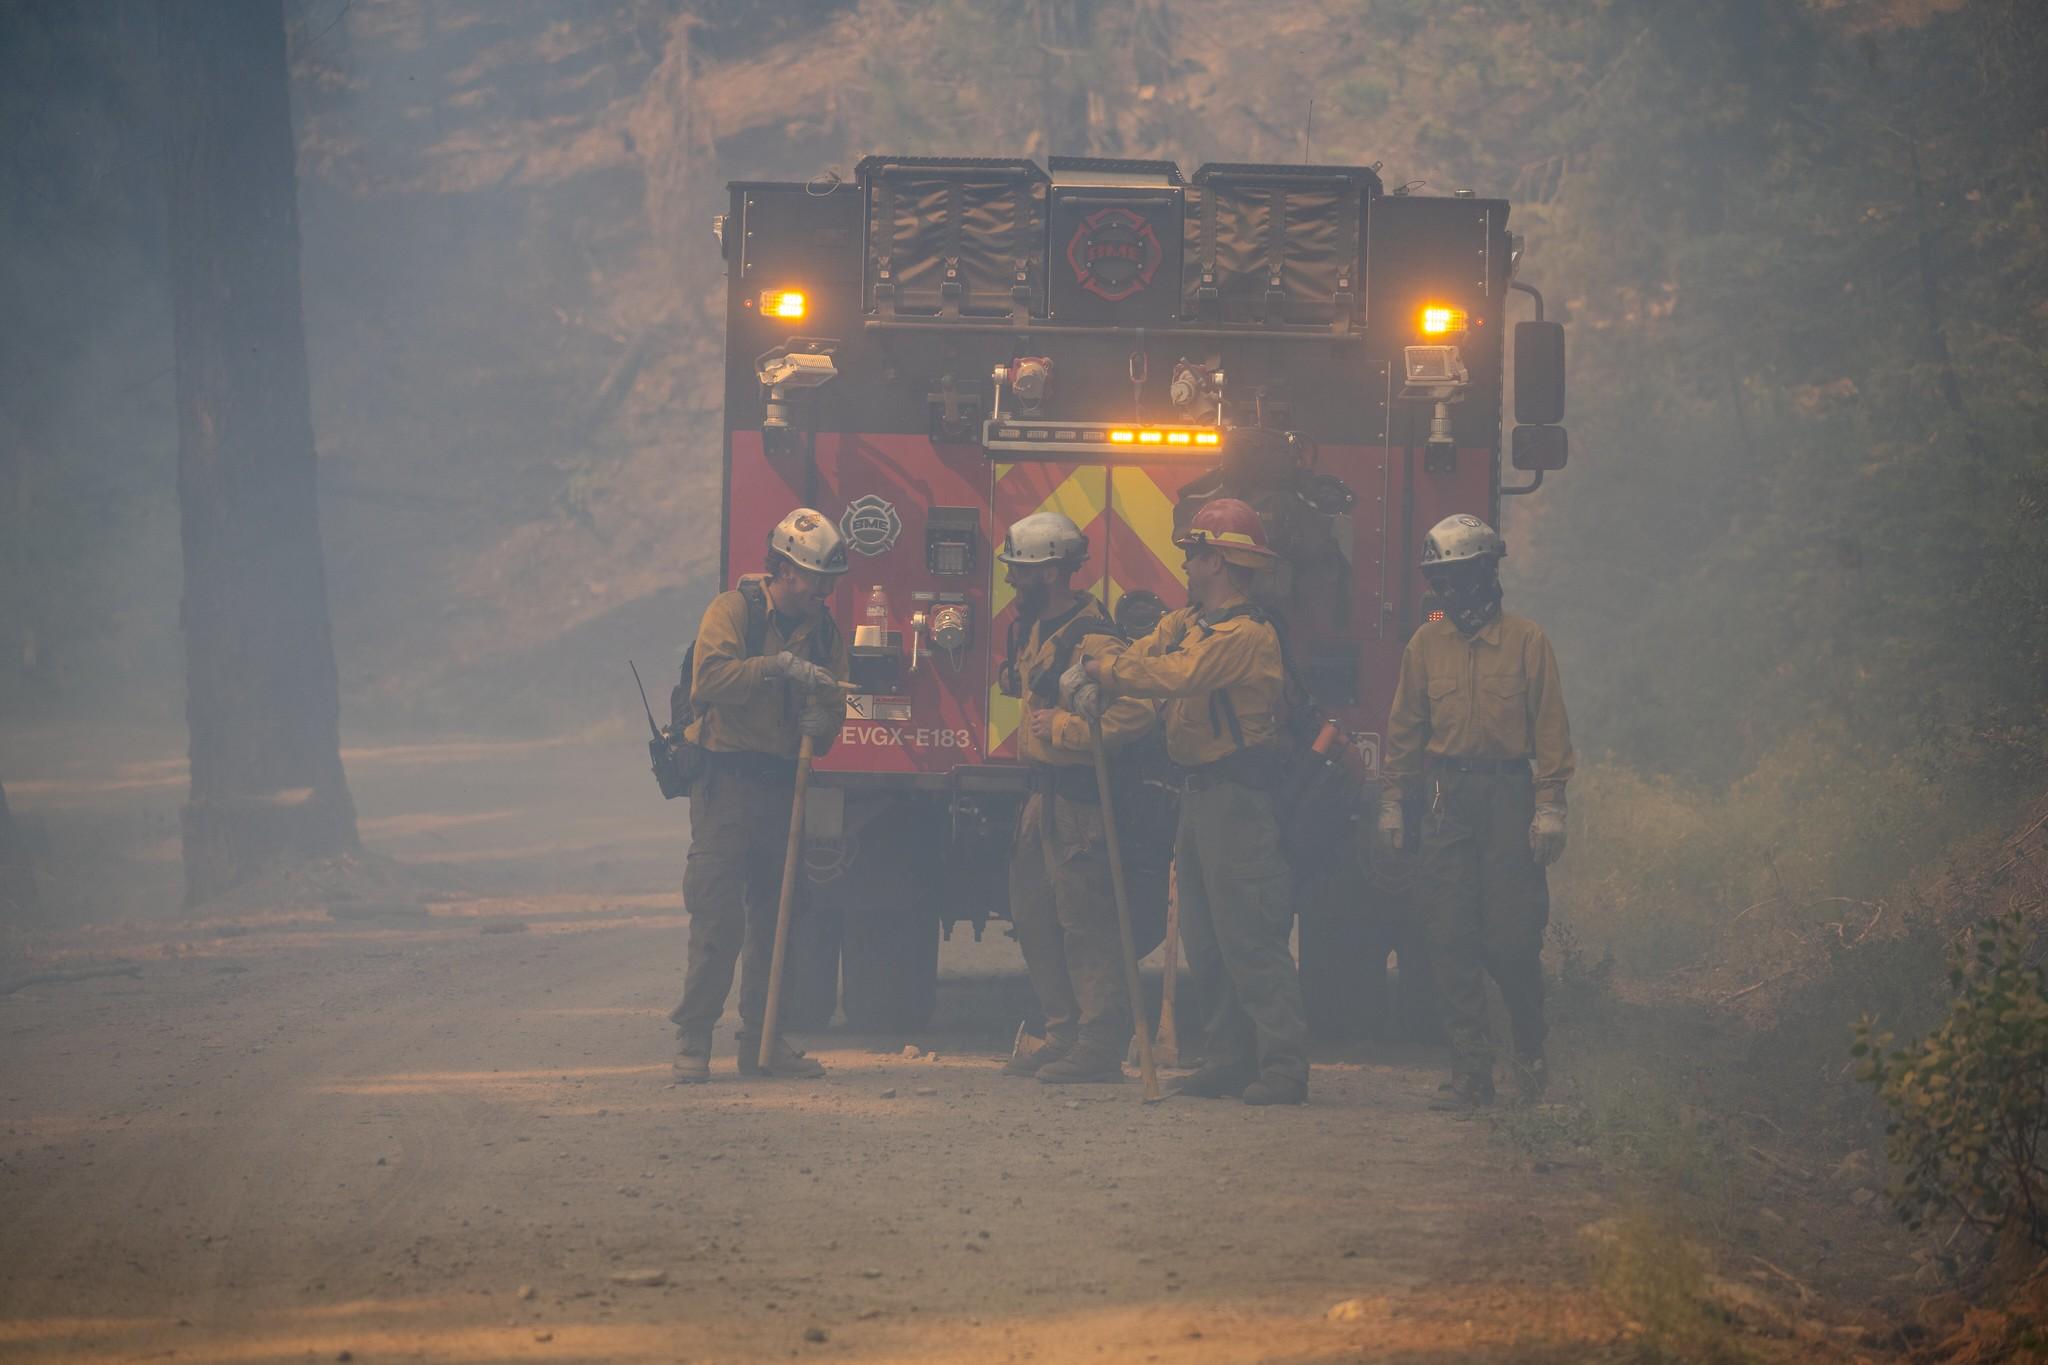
784, 1060
1029, 1063
1215, 1083
693, 1062
1088, 1062
1276, 1090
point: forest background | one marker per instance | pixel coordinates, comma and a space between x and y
1797, 572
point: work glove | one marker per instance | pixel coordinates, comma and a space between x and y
1072, 681
1393, 827
802, 672
820, 717
1546, 835
1079, 695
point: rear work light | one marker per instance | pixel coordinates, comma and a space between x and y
788, 304
1441, 320
1049, 440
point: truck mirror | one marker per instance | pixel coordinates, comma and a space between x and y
1539, 373
1539, 449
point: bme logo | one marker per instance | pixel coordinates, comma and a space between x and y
1114, 253
870, 524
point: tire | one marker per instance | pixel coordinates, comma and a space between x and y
810, 977
889, 965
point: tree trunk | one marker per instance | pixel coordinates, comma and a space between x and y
262, 700
17, 878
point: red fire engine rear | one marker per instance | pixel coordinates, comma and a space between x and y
945, 345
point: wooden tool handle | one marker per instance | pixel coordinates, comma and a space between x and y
771, 1017
1146, 1069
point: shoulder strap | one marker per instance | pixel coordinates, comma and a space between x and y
1252, 610
1065, 641
757, 615
753, 636
756, 598
1299, 702
1222, 709
1068, 637
1012, 684
824, 640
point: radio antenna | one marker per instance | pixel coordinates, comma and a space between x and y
1308, 132
643, 699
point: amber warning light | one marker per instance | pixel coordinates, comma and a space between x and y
1164, 436
1439, 320
783, 303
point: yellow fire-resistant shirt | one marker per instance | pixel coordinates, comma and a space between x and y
1187, 662
1495, 695
1123, 723
739, 705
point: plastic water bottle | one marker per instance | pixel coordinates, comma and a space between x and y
876, 615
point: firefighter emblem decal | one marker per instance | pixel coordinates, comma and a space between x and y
1114, 253
870, 524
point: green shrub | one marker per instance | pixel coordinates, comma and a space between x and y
1669, 875
1631, 1120
1658, 1279
1969, 1102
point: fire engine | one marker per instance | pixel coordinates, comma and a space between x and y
941, 346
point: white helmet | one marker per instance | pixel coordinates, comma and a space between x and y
1045, 538
810, 541
1458, 538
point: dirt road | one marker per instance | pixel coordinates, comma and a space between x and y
452, 1135
417, 1140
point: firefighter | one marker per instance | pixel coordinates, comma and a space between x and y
752, 708
1479, 742
1062, 900
1218, 663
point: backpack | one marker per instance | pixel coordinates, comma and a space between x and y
685, 760
1301, 717
1311, 789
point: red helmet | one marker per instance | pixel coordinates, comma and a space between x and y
1231, 528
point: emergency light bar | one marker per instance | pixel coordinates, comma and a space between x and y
1003, 436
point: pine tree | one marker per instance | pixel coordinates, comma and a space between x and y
262, 699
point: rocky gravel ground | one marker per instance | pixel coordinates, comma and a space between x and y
410, 1138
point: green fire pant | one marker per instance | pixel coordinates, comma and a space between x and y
732, 887
1485, 906
1235, 917
1063, 905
